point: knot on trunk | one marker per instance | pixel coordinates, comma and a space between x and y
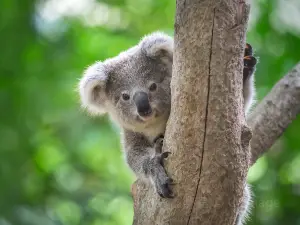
246, 136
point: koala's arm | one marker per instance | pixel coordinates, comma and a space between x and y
249, 95
146, 161
248, 78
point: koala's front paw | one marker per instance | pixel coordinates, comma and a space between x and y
159, 176
158, 144
249, 62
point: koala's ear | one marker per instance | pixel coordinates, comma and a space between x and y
92, 89
158, 45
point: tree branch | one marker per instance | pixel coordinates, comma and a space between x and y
274, 113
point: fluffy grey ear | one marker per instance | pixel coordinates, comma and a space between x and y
92, 89
158, 45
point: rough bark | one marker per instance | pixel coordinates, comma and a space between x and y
274, 113
206, 132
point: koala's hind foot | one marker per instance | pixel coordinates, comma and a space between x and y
249, 62
158, 173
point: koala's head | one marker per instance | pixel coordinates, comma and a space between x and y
133, 87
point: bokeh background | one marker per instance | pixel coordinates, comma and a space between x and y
59, 166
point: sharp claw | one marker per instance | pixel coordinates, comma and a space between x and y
158, 146
248, 46
249, 61
163, 189
165, 154
158, 138
168, 193
248, 50
161, 195
160, 142
170, 181
171, 195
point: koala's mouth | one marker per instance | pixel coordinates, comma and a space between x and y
145, 117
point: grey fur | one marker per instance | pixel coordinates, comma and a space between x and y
101, 90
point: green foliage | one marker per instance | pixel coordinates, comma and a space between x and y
58, 166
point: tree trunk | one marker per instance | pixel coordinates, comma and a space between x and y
206, 132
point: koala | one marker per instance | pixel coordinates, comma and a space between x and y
134, 89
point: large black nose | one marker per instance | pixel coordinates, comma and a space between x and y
142, 103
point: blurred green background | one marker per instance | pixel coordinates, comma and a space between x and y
59, 166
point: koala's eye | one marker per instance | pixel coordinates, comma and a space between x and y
153, 87
125, 96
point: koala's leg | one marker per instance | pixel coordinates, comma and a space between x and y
245, 207
146, 161
249, 94
248, 77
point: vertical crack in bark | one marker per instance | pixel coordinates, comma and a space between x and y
206, 114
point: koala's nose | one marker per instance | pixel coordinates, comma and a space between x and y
141, 101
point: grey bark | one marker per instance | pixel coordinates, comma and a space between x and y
206, 131
274, 113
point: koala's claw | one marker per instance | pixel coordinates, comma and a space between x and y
248, 50
249, 61
162, 183
160, 178
163, 188
158, 145
167, 193
158, 148
165, 154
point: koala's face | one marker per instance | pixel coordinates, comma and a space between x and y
138, 91
134, 87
